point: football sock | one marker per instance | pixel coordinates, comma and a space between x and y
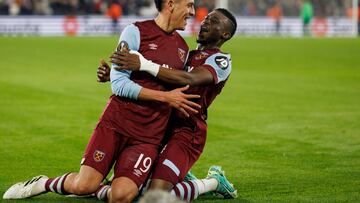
187, 191
56, 185
206, 185
101, 192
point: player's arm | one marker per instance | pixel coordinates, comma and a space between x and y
213, 71
175, 98
199, 76
121, 85
136, 62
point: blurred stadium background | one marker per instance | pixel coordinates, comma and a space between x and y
105, 17
285, 129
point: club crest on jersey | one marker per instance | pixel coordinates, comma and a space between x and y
182, 54
222, 62
98, 155
200, 56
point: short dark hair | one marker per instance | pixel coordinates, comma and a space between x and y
159, 4
231, 17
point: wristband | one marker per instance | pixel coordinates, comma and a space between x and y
147, 65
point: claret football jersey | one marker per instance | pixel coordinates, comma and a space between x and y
219, 64
147, 120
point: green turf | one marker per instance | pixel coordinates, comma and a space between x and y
285, 129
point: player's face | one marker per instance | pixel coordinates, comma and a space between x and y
183, 10
212, 28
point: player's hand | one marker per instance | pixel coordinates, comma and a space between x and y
125, 60
179, 100
103, 72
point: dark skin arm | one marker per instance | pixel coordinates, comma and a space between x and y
175, 98
199, 76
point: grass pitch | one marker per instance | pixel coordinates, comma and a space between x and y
286, 128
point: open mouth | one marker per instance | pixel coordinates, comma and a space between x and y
204, 29
186, 19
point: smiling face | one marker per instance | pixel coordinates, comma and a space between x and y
182, 11
214, 28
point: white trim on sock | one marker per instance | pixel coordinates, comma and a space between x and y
98, 194
196, 192
58, 186
181, 190
188, 191
103, 194
52, 184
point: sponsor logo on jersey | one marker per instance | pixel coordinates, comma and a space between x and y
222, 62
98, 155
137, 172
153, 46
200, 56
182, 54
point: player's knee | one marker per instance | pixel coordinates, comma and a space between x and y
84, 187
122, 196
158, 184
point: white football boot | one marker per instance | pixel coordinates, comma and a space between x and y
30, 188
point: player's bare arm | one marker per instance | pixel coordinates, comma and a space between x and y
175, 98
135, 62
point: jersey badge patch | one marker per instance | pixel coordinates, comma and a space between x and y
222, 62
98, 155
182, 54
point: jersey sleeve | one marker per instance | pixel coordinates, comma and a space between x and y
131, 35
121, 85
219, 65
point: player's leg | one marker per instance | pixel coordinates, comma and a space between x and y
83, 183
214, 182
172, 168
97, 161
123, 190
158, 184
95, 165
132, 169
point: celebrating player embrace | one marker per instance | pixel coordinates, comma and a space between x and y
206, 72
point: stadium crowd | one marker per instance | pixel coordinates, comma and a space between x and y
147, 7
289, 7
82, 7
